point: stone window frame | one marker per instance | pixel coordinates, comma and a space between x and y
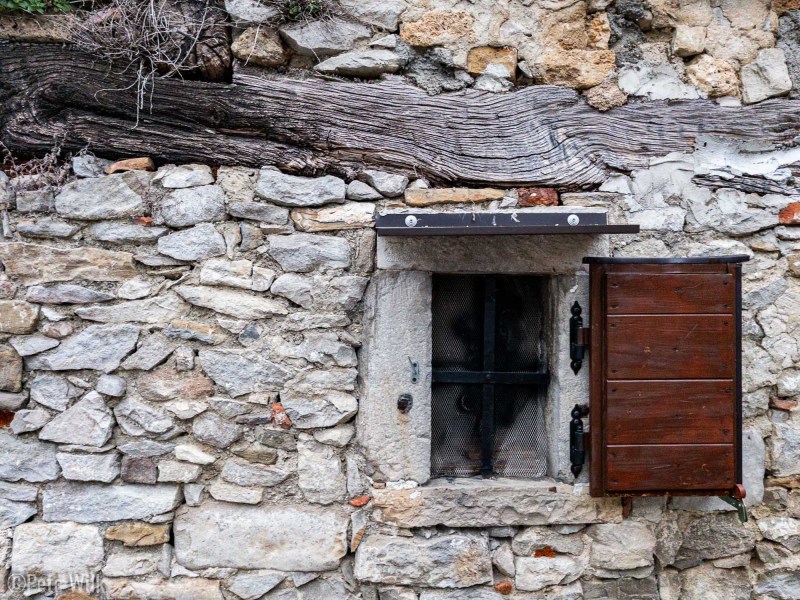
397, 332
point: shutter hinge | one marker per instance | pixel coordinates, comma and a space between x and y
578, 338
577, 438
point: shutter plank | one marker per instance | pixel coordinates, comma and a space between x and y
671, 347
637, 293
687, 467
671, 412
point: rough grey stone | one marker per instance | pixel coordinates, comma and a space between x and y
367, 64
12, 401
137, 469
444, 561
35, 201
18, 492
177, 588
249, 11
360, 191
130, 562
715, 536
379, 13
240, 305
126, 233
245, 473
28, 345
98, 347
228, 492
300, 321
259, 211
304, 252
213, 430
137, 417
94, 503
190, 206
174, 471
233, 273
99, 198
26, 421
289, 190
785, 446
197, 243
765, 77
531, 539
789, 42
463, 503
336, 436
60, 552
137, 288
66, 293
151, 353
88, 422
784, 586
47, 228
89, 467
322, 348
709, 583
53, 391
145, 448
295, 288
13, 513
26, 459
346, 291
324, 38
240, 373
287, 538
277, 438
89, 166
193, 454
150, 310
183, 176
784, 530
320, 474
10, 370
251, 585
534, 574
388, 184
324, 409
622, 546
111, 385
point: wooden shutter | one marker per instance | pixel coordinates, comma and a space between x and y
665, 411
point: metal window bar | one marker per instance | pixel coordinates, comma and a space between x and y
473, 340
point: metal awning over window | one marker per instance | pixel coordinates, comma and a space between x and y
497, 223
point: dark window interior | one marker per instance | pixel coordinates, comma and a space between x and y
490, 376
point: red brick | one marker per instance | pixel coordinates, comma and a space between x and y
504, 587
537, 197
790, 215
279, 416
359, 501
783, 404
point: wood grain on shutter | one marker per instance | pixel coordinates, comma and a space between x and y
630, 293
671, 467
683, 411
665, 377
670, 347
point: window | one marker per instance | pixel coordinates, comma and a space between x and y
490, 376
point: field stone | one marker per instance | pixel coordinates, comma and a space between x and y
138, 469
338, 436
384, 14
193, 454
324, 410
304, 252
190, 206
47, 228
213, 430
367, 64
388, 184
183, 176
12, 401
89, 166
259, 211
444, 561
17, 317
622, 546
35, 201
765, 77
146, 448
26, 459
126, 233
715, 536
166, 384
18, 492
53, 391
251, 585
242, 372
258, 47
28, 345
238, 304
706, 582
197, 243
137, 418
98, 347
244, 473
66, 293
350, 215
531, 539
320, 474
89, 467
255, 452
10, 370
13, 513
784, 530
228, 492
34, 263
785, 586
295, 288
534, 574
151, 353
175, 471
56, 551
249, 11
324, 38
99, 198
176, 588
289, 190
88, 422
26, 421
285, 537
111, 385
360, 191
131, 562
94, 503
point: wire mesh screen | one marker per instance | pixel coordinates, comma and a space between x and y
516, 313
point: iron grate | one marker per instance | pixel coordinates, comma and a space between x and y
490, 376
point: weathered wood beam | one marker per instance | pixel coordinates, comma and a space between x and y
537, 135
